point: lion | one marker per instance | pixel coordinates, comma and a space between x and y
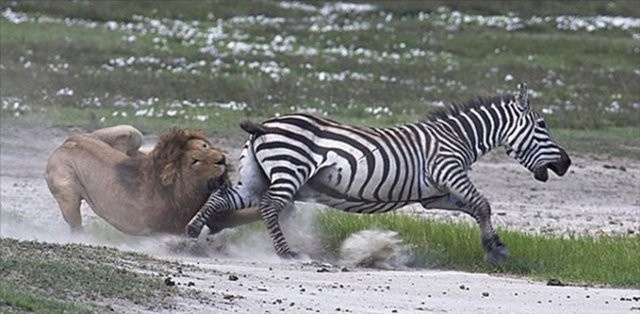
137, 192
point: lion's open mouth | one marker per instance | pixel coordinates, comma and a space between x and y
559, 166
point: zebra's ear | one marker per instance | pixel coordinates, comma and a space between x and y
522, 97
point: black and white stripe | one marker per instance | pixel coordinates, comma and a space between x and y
372, 170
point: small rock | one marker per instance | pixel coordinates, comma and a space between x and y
323, 270
233, 277
485, 294
169, 282
555, 282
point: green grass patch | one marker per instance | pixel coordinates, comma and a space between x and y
602, 260
41, 277
15, 300
612, 141
587, 79
124, 10
524, 8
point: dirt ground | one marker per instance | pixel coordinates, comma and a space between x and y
598, 195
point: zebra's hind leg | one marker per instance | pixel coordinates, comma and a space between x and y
271, 206
220, 202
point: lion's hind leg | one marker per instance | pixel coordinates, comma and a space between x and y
124, 138
64, 187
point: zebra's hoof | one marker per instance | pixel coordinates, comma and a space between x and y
193, 231
498, 255
289, 255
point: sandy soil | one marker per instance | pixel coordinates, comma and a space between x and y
598, 195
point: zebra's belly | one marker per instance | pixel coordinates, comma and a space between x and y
351, 202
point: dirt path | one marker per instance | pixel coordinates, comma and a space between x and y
596, 196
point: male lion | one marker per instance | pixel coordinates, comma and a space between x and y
138, 193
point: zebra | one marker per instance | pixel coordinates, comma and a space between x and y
375, 170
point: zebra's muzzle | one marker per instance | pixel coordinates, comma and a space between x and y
559, 166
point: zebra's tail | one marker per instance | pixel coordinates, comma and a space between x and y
252, 127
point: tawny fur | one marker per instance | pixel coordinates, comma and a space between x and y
138, 193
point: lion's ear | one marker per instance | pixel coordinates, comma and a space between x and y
168, 175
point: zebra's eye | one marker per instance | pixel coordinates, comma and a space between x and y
541, 124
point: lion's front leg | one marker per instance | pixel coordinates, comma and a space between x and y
65, 189
219, 222
240, 217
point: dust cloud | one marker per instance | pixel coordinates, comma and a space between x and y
375, 248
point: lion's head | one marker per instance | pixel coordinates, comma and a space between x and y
183, 167
186, 157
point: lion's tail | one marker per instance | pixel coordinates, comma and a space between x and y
252, 127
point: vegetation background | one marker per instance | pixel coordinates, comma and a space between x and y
209, 64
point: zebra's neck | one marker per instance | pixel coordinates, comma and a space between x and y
478, 129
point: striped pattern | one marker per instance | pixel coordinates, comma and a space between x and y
373, 170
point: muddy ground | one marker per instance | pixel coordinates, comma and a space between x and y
598, 195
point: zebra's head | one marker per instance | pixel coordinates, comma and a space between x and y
530, 142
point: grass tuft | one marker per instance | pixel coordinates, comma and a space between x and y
37, 276
602, 260
15, 300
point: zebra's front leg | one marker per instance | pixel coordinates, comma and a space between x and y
271, 206
220, 202
466, 198
496, 251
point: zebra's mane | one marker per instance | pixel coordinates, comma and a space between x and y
458, 108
